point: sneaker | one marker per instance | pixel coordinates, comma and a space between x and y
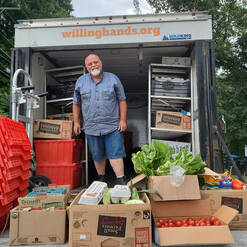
101, 178
121, 181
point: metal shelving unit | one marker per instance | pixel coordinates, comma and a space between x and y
170, 89
63, 81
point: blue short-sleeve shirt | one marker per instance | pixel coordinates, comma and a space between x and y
99, 103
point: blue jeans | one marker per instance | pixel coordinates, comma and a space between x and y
110, 146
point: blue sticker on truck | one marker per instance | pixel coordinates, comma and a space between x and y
177, 36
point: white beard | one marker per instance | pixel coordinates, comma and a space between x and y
95, 72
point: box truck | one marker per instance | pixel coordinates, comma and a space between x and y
164, 61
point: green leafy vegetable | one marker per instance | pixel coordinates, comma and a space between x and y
156, 160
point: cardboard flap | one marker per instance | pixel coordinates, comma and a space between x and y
180, 208
226, 214
137, 179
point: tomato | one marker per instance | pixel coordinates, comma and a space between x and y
207, 222
158, 224
162, 222
191, 222
212, 219
202, 223
185, 225
170, 221
171, 224
189, 219
217, 223
166, 224
202, 219
197, 223
184, 222
178, 223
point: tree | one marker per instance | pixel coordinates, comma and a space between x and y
230, 36
28, 9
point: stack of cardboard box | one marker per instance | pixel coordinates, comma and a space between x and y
40, 219
183, 202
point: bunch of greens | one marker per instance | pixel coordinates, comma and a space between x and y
156, 160
150, 158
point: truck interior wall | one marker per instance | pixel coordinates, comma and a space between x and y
130, 64
38, 66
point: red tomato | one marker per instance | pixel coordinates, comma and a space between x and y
202, 219
158, 224
184, 222
170, 221
202, 223
217, 223
178, 223
171, 224
162, 222
207, 222
166, 224
191, 222
197, 223
185, 225
212, 219
189, 219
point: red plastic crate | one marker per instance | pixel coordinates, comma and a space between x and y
63, 174
57, 152
3, 220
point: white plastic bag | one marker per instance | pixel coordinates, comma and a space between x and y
177, 176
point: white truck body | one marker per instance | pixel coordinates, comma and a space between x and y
53, 52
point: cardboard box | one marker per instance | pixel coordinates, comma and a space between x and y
189, 190
112, 225
52, 129
46, 201
172, 120
37, 227
194, 235
176, 61
64, 116
236, 199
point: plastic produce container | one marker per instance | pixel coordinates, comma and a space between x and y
58, 152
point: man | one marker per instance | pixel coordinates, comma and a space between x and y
101, 99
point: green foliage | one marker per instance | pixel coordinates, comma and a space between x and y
29, 9
230, 35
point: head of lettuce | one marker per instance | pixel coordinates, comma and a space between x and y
157, 159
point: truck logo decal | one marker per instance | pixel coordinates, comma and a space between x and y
177, 36
103, 32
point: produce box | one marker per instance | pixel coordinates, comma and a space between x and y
44, 201
110, 225
37, 227
172, 120
189, 190
191, 235
236, 199
64, 116
52, 129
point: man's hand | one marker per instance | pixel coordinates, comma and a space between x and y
122, 126
77, 128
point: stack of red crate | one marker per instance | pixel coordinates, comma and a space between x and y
60, 160
15, 155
